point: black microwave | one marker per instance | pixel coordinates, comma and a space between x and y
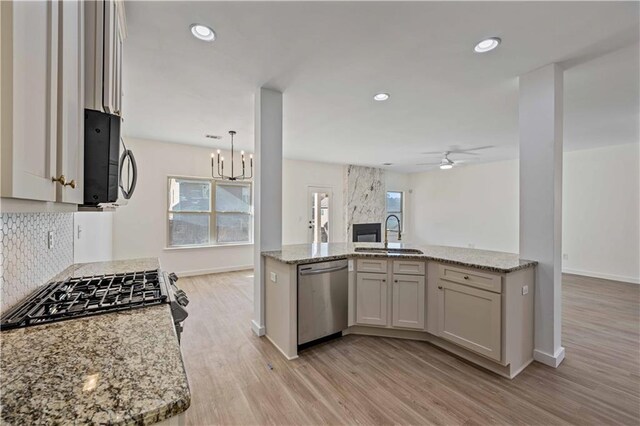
103, 162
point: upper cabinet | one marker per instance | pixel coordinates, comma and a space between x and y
105, 34
29, 51
70, 152
57, 58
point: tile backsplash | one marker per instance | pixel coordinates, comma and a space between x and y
26, 262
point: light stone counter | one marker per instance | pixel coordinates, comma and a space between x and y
493, 261
116, 368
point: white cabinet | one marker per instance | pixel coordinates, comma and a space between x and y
29, 93
408, 301
403, 301
41, 99
105, 34
471, 318
371, 299
70, 153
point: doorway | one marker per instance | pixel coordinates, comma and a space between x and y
319, 200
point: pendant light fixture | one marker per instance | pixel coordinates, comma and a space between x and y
217, 167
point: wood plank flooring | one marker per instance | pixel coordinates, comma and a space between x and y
237, 378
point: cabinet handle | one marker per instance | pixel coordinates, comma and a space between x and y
439, 287
466, 277
63, 181
395, 281
384, 281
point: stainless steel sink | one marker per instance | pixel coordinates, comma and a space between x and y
388, 250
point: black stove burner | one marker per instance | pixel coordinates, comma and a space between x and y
83, 296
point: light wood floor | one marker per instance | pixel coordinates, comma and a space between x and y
238, 378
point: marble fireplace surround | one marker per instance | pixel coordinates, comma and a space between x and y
365, 196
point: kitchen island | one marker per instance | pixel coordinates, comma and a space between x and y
115, 368
477, 304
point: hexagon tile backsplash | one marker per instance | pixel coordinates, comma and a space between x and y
26, 262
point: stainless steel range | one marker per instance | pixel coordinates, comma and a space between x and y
99, 294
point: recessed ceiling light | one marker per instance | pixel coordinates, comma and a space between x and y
487, 45
387, 164
202, 32
213, 136
381, 96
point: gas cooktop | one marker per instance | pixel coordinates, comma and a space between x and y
84, 296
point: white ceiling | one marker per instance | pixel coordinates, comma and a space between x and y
329, 59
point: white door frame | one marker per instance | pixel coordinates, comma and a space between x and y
320, 188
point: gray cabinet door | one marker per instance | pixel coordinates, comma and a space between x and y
408, 301
471, 318
371, 299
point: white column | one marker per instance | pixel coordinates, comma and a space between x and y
540, 125
268, 191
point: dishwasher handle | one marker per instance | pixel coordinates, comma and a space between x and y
322, 271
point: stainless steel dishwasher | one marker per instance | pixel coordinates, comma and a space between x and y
322, 300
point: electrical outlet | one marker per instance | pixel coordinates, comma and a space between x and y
525, 290
565, 256
50, 240
274, 277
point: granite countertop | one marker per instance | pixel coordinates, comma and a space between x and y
493, 261
117, 368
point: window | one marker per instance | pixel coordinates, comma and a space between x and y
395, 204
205, 212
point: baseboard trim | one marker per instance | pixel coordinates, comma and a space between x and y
548, 359
257, 329
197, 272
621, 278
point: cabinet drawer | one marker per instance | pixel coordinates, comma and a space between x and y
408, 267
471, 277
372, 265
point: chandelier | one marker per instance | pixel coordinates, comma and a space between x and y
218, 166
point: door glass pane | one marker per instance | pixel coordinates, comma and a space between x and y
188, 229
319, 222
233, 227
189, 195
323, 201
233, 198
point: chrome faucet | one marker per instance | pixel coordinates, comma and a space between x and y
386, 230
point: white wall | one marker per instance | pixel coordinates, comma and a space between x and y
467, 206
140, 228
297, 177
601, 212
478, 204
92, 237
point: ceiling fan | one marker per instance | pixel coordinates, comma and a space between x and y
446, 163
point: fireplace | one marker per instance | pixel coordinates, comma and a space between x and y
367, 233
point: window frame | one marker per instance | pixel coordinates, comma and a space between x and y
213, 228
402, 209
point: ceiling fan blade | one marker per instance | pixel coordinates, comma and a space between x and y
427, 164
468, 151
455, 149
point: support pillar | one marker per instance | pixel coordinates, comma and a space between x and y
267, 185
540, 123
